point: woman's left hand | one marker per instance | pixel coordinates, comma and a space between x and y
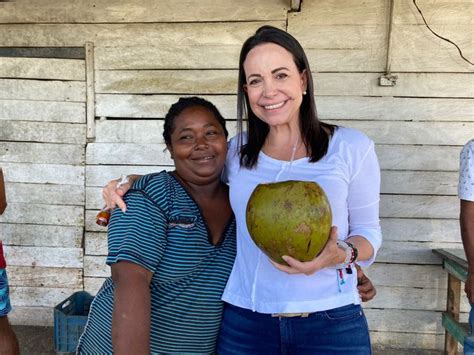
330, 255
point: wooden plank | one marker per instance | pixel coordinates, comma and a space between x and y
42, 90
88, 11
99, 175
95, 244
410, 157
415, 253
153, 106
46, 193
39, 296
138, 131
453, 308
394, 108
402, 132
50, 111
42, 68
127, 153
94, 199
399, 320
20, 276
415, 48
33, 316
41, 235
458, 331
89, 222
130, 34
421, 230
46, 132
43, 214
199, 82
21, 152
44, 173
94, 266
433, 85
93, 284
405, 340
436, 12
419, 206
44, 256
419, 182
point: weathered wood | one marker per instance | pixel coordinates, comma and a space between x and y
21, 276
42, 90
44, 173
406, 340
41, 235
394, 108
127, 153
90, 92
436, 12
94, 266
99, 175
44, 256
458, 331
453, 308
89, 222
421, 230
21, 152
429, 158
46, 193
42, 68
93, 284
40, 296
33, 316
43, 214
95, 244
414, 253
88, 11
399, 320
419, 182
413, 206
130, 34
46, 132
50, 111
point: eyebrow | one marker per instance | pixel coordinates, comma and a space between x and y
190, 129
273, 71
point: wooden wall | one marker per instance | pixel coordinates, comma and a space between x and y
148, 54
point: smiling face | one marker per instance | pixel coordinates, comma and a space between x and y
274, 85
198, 146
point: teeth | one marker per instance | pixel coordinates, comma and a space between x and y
271, 107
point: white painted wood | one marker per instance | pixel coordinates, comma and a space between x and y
436, 12
99, 175
50, 111
125, 153
46, 132
401, 341
93, 284
20, 276
429, 158
41, 235
131, 34
95, 244
419, 182
39, 296
88, 11
397, 320
421, 230
21, 152
42, 68
46, 194
42, 90
413, 253
90, 92
94, 266
43, 214
412, 206
33, 316
89, 222
44, 256
44, 173
394, 108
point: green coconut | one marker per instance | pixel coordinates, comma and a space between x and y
289, 218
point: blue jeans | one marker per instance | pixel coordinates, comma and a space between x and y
341, 330
469, 340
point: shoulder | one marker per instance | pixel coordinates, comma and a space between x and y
155, 187
468, 149
350, 142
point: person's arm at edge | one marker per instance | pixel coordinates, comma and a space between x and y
466, 219
132, 305
113, 194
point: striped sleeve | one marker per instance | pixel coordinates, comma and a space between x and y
139, 234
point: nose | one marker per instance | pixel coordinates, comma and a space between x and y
201, 143
269, 89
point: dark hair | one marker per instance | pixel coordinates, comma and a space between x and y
184, 103
314, 137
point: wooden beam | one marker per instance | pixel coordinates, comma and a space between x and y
90, 90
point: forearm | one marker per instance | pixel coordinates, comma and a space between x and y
467, 231
8, 341
364, 248
131, 316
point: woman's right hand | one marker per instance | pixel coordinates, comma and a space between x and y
113, 193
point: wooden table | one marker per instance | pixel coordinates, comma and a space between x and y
454, 262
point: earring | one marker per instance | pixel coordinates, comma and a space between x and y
304, 92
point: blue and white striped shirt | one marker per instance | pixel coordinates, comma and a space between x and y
164, 231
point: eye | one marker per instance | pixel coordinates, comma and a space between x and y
254, 82
281, 76
185, 137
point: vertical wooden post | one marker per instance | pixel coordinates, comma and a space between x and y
90, 90
453, 304
295, 5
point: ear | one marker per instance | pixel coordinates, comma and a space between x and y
304, 80
170, 149
245, 88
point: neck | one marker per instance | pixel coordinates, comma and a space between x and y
196, 188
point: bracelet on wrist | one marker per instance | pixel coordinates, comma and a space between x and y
351, 254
